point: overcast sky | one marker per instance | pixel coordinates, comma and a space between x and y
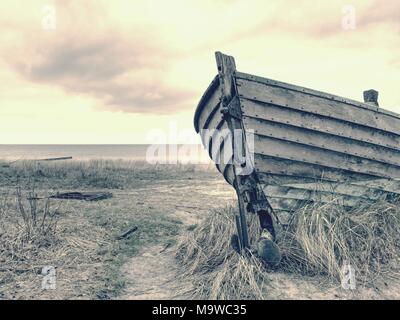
115, 71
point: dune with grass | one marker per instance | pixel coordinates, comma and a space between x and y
183, 217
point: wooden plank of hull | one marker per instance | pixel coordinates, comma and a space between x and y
215, 121
210, 108
224, 163
340, 188
317, 156
285, 204
212, 122
348, 195
208, 123
324, 196
285, 85
282, 179
286, 167
318, 123
221, 149
220, 136
372, 189
322, 140
387, 185
221, 144
308, 103
223, 157
293, 204
215, 140
275, 83
229, 174
226, 169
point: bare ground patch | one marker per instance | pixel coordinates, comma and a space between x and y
154, 272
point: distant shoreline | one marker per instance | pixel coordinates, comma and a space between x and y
83, 152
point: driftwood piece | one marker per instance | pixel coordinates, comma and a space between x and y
127, 233
55, 159
7, 165
87, 196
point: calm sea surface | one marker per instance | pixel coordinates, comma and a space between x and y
194, 153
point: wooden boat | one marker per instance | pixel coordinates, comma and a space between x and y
306, 145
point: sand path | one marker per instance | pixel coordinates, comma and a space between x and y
152, 273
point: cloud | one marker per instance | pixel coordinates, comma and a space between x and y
128, 67
125, 76
82, 59
124, 72
323, 21
387, 12
377, 13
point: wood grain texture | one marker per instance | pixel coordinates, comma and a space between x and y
339, 144
308, 103
305, 120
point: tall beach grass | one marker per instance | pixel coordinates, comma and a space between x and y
319, 240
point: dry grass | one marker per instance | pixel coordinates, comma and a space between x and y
77, 237
35, 234
318, 240
214, 269
322, 237
24, 227
110, 174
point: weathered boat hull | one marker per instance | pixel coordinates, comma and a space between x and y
308, 145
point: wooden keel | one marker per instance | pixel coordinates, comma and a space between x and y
251, 198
